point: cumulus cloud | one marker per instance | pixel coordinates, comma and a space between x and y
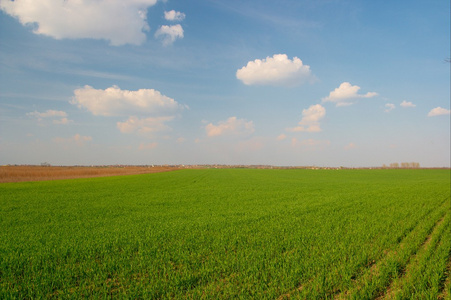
346, 92
120, 22
407, 104
169, 33
51, 114
115, 102
173, 15
389, 107
78, 139
310, 119
232, 126
278, 70
147, 126
439, 111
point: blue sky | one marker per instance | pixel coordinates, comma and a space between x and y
325, 83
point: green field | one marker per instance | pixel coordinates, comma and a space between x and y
229, 233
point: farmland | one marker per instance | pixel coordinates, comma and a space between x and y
229, 233
35, 173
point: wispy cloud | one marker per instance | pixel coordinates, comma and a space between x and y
51, 114
62, 121
389, 107
95, 74
77, 139
278, 20
148, 146
47, 114
310, 143
146, 126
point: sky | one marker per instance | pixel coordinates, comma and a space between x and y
326, 83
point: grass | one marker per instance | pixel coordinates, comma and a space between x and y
229, 233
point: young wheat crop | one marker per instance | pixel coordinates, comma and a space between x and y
229, 233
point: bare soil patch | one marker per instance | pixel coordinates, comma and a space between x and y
39, 173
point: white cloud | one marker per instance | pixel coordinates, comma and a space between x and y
310, 119
115, 102
51, 114
78, 139
439, 111
407, 104
278, 70
120, 22
232, 126
173, 15
147, 126
342, 95
169, 33
389, 107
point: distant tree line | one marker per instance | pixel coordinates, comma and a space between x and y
403, 165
